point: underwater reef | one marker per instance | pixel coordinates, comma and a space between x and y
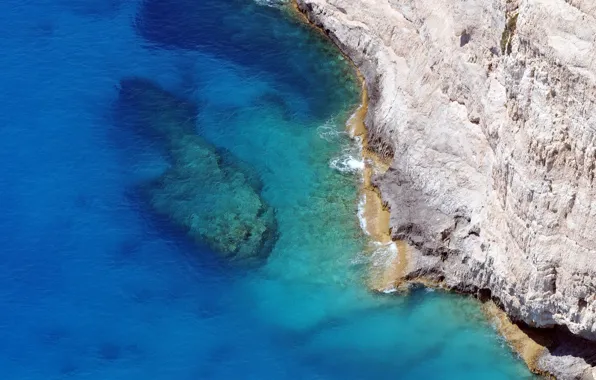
213, 196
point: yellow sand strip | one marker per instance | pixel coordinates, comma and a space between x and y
529, 346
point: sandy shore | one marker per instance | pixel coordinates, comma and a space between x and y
529, 348
389, 258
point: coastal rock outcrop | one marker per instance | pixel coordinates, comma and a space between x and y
486, 111
207, 192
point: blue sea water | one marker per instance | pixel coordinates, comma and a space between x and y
94, 286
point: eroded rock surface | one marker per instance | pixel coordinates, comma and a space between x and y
206, 192
487, 110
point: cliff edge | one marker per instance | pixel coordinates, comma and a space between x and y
486, 110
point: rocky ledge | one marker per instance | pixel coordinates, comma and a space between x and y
486, 111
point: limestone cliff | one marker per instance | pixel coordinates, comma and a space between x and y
486, 109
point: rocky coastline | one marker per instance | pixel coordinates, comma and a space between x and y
484, 112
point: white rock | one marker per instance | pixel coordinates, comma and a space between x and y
494, 154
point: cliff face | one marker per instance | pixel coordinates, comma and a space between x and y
487, 110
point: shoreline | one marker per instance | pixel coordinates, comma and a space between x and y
464, 189
528, 349
391, 274
389, 258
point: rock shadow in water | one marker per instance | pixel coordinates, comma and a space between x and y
301, 62
213, 196
93, 8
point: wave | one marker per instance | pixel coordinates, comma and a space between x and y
329, 131
361, 217
347, 163
272, 3
383, 258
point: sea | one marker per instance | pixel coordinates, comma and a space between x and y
95, 285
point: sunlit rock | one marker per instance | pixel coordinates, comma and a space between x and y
485, 112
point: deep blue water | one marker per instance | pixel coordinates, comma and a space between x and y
93, 285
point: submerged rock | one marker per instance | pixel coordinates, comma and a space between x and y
214, 198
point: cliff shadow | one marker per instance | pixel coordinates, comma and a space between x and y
273, 43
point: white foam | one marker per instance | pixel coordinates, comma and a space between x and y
349, 122
384, 254
383, 257
272, 3
347, 163
329, 131
361, 218
350, 161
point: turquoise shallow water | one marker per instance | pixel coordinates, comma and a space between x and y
94, 285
